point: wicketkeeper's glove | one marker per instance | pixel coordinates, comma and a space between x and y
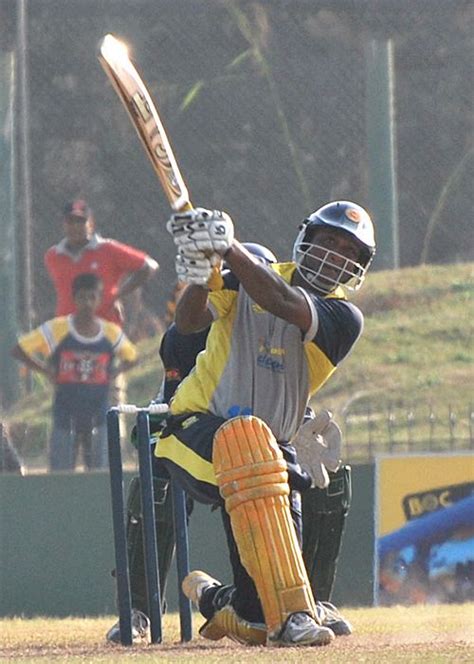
157, 424
318, 444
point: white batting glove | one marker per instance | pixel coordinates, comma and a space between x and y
318, 444
210, 231
193, 268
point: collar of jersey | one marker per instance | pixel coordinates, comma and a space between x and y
80, 337
94, 243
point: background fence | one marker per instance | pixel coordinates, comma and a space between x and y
406, 428
273, 108
402, 428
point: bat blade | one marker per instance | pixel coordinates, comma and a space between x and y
114, 58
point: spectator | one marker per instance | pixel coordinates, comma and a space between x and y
121, 268
78, 353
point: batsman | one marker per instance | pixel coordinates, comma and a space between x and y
233, 439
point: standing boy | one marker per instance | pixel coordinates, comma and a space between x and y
78, 353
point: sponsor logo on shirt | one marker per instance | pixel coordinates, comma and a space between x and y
83, 367
271, 357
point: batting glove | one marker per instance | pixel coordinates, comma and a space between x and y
193, 268
210, 231
318, 445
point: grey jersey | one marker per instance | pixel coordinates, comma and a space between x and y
256, 363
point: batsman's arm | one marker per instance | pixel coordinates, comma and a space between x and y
192, 313
268, 289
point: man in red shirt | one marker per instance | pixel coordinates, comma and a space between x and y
120, 267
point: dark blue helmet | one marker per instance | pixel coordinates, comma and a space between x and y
349, 218
261, 252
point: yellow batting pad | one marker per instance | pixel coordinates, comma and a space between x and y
253, 480
225, 622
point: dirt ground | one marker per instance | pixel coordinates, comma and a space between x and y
417, 634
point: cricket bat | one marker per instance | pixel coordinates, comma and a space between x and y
114, 58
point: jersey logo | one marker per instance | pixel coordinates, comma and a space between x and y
268, 362
83, 367
173, 374
270, 357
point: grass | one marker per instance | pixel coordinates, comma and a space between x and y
418, 339
416, 354
421, 634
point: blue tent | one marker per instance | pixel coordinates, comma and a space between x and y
431, 528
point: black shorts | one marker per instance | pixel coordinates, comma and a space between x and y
185, 448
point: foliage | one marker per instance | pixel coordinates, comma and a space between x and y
264, 103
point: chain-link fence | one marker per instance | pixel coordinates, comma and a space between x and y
269, 106
266, 106
407, 428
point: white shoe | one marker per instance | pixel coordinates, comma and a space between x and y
196, 583
330, 617
301, 630
140, 629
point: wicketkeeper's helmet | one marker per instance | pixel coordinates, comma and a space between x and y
261, 252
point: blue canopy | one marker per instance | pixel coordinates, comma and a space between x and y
431, 528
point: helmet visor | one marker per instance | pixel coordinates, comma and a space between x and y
325, 269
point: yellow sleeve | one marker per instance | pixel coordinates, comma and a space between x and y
122, 346
127, 351
221, 301
44, 339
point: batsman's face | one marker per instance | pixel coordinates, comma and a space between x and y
338, 243
77, 230
330, 258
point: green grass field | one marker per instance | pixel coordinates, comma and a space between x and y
425, 634
417, 351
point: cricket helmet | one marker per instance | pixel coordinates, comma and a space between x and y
330, 269
261, 252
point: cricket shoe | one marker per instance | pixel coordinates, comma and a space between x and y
330, 616
140, 629
301, 630
195, 583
